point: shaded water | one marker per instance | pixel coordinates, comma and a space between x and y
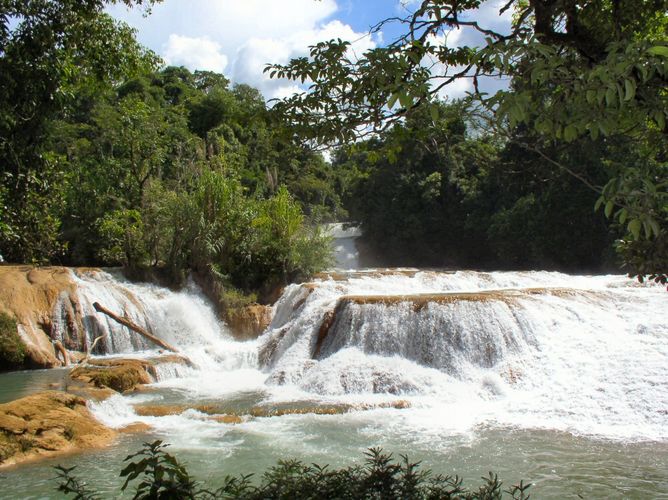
15, 385
557, 379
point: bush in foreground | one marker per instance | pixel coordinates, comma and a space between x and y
161, 476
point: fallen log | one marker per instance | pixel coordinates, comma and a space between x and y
135, 328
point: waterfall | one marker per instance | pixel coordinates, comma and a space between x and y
567, 352
345, 250
184, 319
584, 354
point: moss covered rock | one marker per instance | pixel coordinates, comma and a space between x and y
12, 350
45, 424
118, 374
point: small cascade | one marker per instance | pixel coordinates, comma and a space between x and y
345, 249
184, 319
77, 324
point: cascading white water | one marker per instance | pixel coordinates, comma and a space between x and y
523, 349
184, 319
558, 379
543, 350
345, 252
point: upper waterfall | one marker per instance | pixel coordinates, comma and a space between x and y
345, 250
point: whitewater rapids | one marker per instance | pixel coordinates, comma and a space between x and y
525, 350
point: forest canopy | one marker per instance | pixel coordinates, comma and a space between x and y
110, 158
579, 70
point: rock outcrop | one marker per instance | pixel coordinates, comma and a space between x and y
101, 378
120, 375
28, 295
46, 424
248, 322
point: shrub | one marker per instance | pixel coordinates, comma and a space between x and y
123, 234
217, 230
381, 477
12, 350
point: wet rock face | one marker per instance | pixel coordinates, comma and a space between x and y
248, 322
46, 424
28, 295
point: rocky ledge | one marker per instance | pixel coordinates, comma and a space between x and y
27, 297
46, 424
101, 378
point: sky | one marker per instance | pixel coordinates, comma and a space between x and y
239, 37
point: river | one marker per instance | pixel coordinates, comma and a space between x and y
556, 379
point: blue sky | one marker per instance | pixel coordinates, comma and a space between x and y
239, 37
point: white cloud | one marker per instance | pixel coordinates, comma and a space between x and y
228, 22
194, 53
238, 37
254, 55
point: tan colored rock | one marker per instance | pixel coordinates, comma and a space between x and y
118, 374
48, 423
334, 409
248, 322
99, 379
29, 295
420, 300
135, 428
227, 419
166, 410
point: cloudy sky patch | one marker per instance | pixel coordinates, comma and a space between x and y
239, 38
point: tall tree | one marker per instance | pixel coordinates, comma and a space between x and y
47, 49
579, 68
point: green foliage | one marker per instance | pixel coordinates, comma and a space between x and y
47, 49
123, 232
73, 485
163, 476
286, 248
646, 258
12, 350
579, 69
432, 193
214, 228
107, 161
637, 199
234, 299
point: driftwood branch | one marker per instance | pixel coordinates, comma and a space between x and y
90, 349
135, 328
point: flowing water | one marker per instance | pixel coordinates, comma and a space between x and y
561, 380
